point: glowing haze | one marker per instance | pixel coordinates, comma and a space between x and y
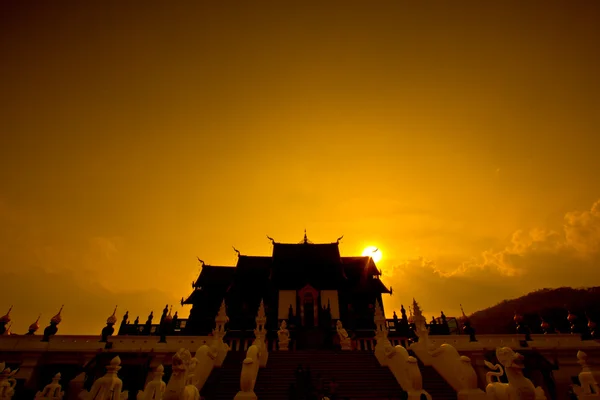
461, 140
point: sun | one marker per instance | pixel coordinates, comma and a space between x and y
372, 252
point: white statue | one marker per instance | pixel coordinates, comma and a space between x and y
52, 391
518, 386
155, 389
203, 363
180, 385
345, 341
284, 336
589, 385
249, 374
108, 387
406, 371
458, 371
7, 382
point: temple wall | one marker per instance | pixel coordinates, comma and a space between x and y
286, 297
331, 296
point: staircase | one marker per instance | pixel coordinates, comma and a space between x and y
433, 383
224, 383
358, 374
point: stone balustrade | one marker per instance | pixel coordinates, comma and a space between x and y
147, 343
86, 343
69, 343
550, 341
78, 343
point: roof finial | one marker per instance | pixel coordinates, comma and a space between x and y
271, 239
339, 239
6, 318
236, 250
305, 237
201, 262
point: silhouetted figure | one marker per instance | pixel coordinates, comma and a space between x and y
148, 326
124, 323
395, 318
403, 313
164, 314
125, 320
469, 330
333, 389
136, 325
175, 319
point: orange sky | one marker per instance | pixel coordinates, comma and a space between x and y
461, 139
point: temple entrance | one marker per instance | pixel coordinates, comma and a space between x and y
309, 310
310, 335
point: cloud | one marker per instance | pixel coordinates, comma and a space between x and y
538, 251
36, 291
41, 270
582, 231
533, 259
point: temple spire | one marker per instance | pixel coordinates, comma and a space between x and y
305, 237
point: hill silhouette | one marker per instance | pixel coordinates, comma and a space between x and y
551, 304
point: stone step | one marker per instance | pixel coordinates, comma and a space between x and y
358, 374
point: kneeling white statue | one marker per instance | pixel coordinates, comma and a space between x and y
284, 336
345, 340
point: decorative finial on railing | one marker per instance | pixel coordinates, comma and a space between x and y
113, 318
6, 318
52, 329
35, 326
57, 319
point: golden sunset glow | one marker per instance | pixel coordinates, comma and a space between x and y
372, 252
460, 137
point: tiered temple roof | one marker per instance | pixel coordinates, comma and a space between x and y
292, 266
